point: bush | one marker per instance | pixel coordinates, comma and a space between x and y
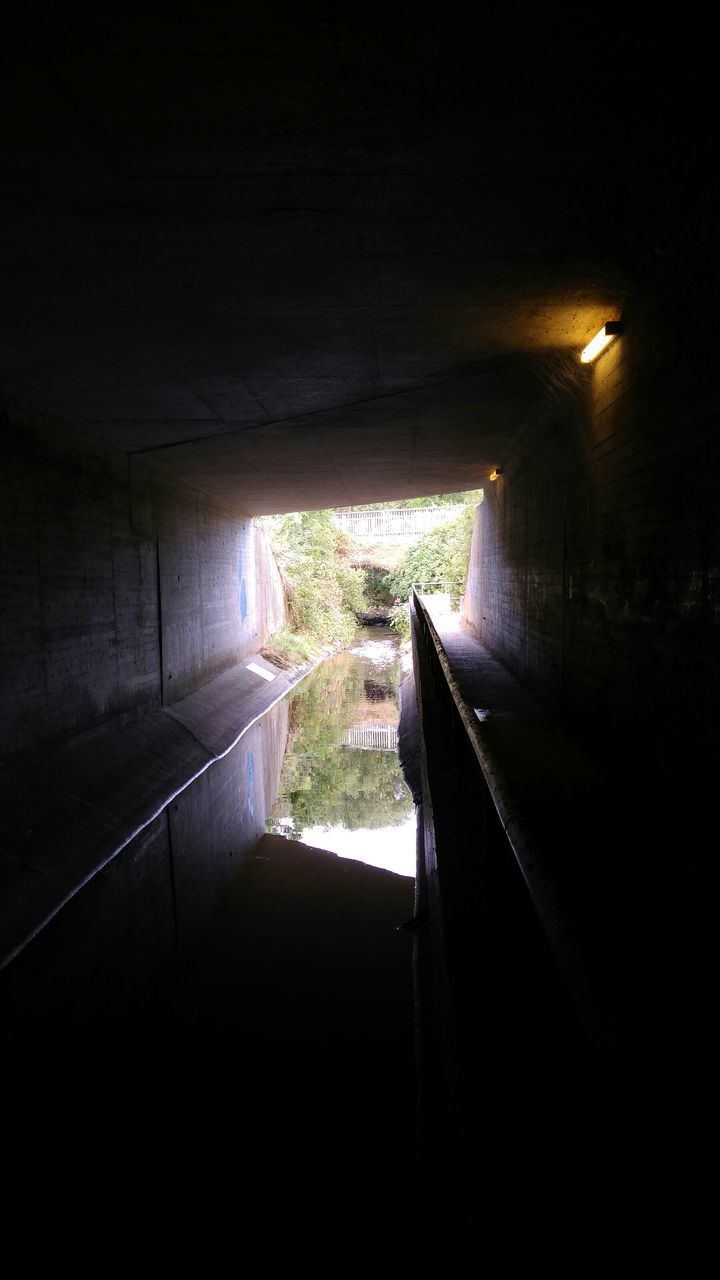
324, 592
400, 620
441, 555
377, 585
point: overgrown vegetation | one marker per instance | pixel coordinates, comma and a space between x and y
439, 557
378, 589
323, 590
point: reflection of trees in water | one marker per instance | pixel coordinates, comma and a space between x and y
352, 789
322, 709
324, 783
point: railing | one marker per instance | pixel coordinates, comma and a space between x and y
397, 522
503, 1057
449, 589
372, 737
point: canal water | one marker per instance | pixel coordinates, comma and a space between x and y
341, 786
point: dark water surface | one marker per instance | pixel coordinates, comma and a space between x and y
212, 1044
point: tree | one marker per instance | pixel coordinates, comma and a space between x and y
324, 591
442, 555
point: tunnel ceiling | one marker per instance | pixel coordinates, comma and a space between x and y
319, 263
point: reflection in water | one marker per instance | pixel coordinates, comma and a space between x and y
222, 1033
341, 786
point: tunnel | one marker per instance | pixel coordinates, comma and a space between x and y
272, 260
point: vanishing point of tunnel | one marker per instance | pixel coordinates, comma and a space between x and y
259, 260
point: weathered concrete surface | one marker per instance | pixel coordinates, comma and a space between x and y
313, 261
266, 1096
594, 568
221, 711
286, 273
125, 922
213, 823
123, 591
79, 638
69, 810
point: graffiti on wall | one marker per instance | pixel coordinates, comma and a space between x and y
242, 587
250, 783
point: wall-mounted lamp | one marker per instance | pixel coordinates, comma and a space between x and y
497, 471
601, 340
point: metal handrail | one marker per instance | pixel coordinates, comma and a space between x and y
557, 928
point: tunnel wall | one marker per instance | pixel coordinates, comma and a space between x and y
122, 590
594, 565
108, 954
216, 821
220, 595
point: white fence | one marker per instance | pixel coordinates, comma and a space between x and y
372, 737
452, 588
396, 522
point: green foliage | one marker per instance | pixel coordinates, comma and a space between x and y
288, 648
324, 592
352, 789
377, 585
400, 620
442, 554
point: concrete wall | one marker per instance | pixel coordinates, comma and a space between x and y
107, 958
79, 640
594, 567
122, 591
218, 818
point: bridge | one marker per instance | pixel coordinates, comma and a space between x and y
398, 522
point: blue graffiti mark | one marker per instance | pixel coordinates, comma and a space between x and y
250, 772
242, 588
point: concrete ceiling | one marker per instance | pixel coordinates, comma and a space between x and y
317, 262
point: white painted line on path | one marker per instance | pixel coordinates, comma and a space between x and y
259, 671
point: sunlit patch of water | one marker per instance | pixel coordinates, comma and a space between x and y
376, 651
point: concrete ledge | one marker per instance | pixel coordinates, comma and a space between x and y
221, 712
71, 809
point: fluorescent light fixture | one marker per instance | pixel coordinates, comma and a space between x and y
601, 340
497, 471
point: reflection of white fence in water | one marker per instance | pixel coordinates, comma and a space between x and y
396, 522
372, 737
